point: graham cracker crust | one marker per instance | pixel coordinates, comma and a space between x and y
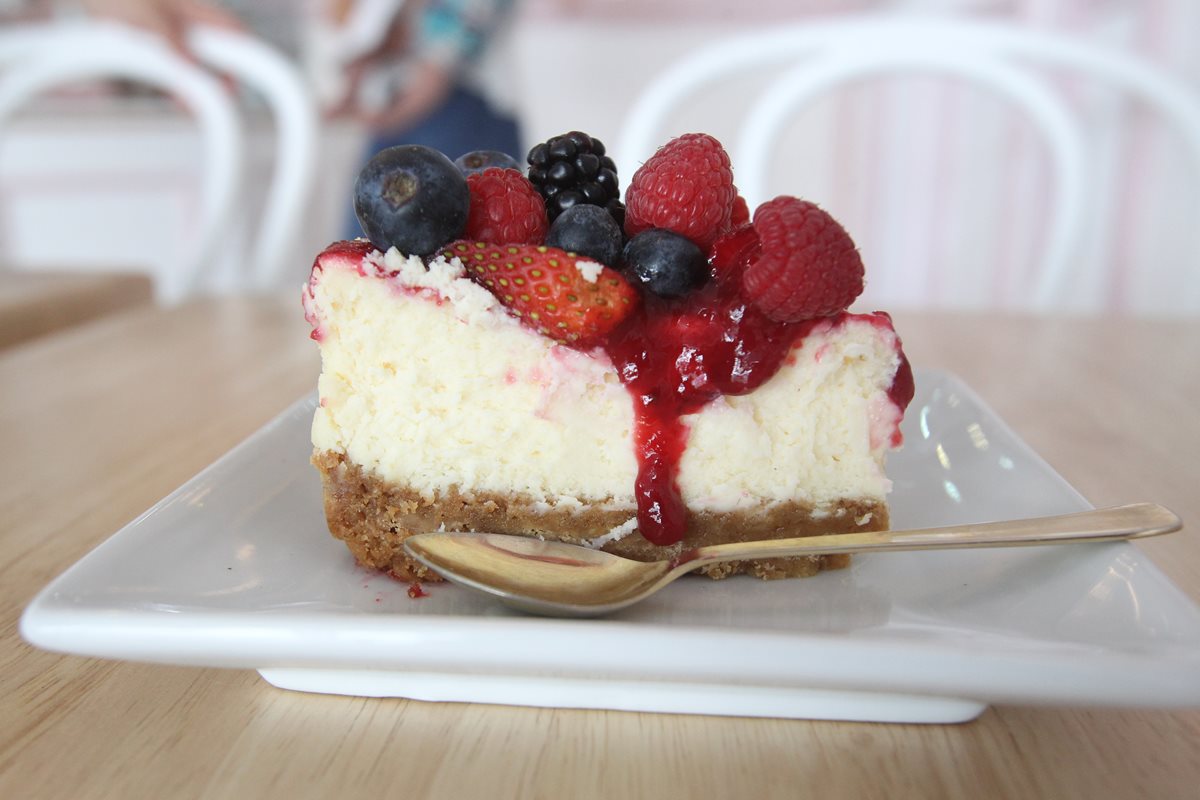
374, 517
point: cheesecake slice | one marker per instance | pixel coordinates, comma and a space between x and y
441, 410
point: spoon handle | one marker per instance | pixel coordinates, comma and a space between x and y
1099, 525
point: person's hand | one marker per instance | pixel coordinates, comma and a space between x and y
167, 18
427, 83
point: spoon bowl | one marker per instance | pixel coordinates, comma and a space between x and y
567, 580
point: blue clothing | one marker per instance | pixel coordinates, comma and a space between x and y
464, 122
457, 31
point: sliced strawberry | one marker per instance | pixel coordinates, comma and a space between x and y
545, 288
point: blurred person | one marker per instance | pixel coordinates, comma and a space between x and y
416, 86
167, 18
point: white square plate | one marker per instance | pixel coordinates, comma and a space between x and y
236, 569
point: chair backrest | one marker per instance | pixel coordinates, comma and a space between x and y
35, 59
809, 60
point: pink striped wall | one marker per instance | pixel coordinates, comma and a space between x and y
944, 229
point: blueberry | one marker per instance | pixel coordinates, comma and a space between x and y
479, 160
589, 231
665, 263
411, 197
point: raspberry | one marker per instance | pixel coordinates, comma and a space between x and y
685, 187
741, 211
505, 208
808, 266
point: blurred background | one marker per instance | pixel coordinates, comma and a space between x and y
948, 190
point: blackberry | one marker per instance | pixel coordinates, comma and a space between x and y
571, 170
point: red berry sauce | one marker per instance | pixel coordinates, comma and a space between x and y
674, 356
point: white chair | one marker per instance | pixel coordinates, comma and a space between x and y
35, 59
811, 59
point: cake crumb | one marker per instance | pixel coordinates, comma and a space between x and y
619, 532
590, 270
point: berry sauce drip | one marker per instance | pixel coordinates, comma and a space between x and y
903, 387
674, 356
677, 354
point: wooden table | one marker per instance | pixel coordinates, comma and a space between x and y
100, 421
33, 304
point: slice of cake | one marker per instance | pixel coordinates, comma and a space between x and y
650, 390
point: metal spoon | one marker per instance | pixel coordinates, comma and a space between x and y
567, 580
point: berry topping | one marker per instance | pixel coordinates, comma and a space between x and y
348, 253
571, 170
741, 211
589, 231
548, 290
665, 263
412, 198
505, 208
675, 356
732, 253
686, 187
683, 342
808, 266
479, 160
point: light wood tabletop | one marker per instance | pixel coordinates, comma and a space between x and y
101, 420
33, 304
